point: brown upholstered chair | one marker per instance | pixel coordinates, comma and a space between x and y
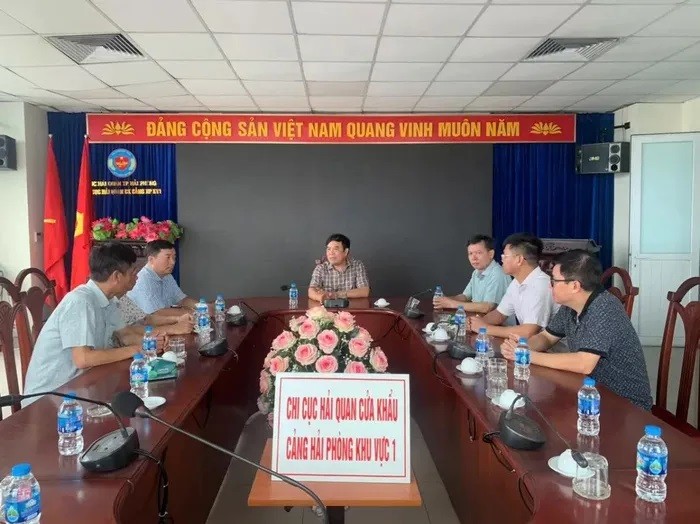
10, 289
628, 291
9, 313
39, 300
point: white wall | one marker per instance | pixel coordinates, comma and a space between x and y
22, 191
644, 119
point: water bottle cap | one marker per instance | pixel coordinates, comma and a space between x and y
294, 284
588, 381
438, 287
460, 308
148, 329
138, 356
219, 297
522, 340
20, 470
69, 395
652, 431
482, 330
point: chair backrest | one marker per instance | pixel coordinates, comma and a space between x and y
11, 289
37, 297
628, 291
8, 314
690, 319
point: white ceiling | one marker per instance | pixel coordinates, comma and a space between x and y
351, 55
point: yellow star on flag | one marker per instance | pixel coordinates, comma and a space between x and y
78, 224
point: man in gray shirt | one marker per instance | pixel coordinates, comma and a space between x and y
601, 338
86, 328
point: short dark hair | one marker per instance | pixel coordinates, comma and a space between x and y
156, 246
582, 266
477, 239
337, 237
108, 257
529, 246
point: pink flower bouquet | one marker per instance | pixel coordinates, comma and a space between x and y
319, 342
138, 229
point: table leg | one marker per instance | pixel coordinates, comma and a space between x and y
336, 514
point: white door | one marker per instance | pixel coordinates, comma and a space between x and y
664, 225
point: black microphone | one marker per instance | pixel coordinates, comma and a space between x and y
411, 310
110, 452
126, 404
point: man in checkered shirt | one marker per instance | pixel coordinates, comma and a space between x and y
339, 275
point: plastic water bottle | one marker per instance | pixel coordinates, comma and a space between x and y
522, 361
22, 496
438, 294
293, 296
4, 484
149, 346
482, 347
138, 376
652, 465
588, 408
219, 309
202, 316
70, 426
461, 321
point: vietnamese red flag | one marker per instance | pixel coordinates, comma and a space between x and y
55, 232
84, 216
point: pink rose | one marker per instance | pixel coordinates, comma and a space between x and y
327, 364
284, 340
296, 322
306, 354
271, 354
327, 341
355, 367
363, 333
378, 360
279, 365
264, 382
308, 329
317, 313
344, 321
358, 347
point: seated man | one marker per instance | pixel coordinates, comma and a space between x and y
528, 297
155, 286
602, 340
339, 276
85, 327
488, 283
169, 323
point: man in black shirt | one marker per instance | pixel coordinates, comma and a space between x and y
601, 339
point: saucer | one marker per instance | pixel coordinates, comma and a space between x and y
469, 373
439, 340
520, 403
553, 463
376, 304
153, 402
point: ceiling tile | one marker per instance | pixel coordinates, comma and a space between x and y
684, 21
149, 15
213, 87
497, 103
337, 71
540, 71
691, 53
175, 103
153, 89
105, 92
128, 73
385, 103
30, 51
336, 88
637, 49
11, 83
443, 103
684, 87
4, 97
393, 71
637, 2
520, 20
282, 103
245, 16
517, 88
337, 19
667, 99
603, 103
610, 20
337, 48
607, 70
177, 46
394, 89
267, 70
430, 20
68, 16
576, 87
258, 47
263, 87
493, 49
212, 69
63, 78
230, 103
549, 103
423, 1
121, 104
415, 49
637, 87
474, 71
10, 26
457, 88
670, 71
336, 103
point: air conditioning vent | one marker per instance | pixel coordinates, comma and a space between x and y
90, 49
572, 49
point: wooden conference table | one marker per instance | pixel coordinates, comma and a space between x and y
212, 397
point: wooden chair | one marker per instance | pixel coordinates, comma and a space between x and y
10, 288
8, 315
37, 297
690, 318
627, 294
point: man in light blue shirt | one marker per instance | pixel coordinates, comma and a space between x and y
155, 286
488, 283
86, 329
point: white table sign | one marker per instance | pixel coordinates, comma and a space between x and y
342, 427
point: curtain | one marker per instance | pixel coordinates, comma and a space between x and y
536, 189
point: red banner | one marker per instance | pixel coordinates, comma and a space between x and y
330, 129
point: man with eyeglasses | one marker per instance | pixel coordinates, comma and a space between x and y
602, 340
528, 297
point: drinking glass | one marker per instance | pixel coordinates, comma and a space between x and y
96, 411
593, 486
177, 346
497, 378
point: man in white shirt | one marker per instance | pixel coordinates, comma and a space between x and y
529, 295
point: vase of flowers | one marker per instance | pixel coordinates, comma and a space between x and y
318, 342
139, 229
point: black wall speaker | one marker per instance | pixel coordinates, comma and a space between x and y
608, 157
8, 153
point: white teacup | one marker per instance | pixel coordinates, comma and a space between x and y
381, 302
441, 335
566, 463
507, 398
429, 327
234, 310
470, 365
